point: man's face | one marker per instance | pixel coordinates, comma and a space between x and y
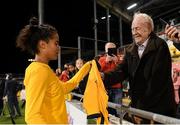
140, 30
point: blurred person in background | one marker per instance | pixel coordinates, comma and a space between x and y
72, 70
81, 88
79, 64
2, 86
10, 92
23, 96
58, 71
109, 62
64, 76
173, 34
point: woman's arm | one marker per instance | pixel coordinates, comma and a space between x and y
75, 80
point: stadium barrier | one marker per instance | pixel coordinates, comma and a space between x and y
144, 114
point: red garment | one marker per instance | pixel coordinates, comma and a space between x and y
64, 76
108, 66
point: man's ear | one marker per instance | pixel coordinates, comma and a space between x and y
42, 44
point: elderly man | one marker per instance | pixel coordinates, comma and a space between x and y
147, 65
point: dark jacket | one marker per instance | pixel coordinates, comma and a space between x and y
151, 87
11, 88
2, 86
82, 85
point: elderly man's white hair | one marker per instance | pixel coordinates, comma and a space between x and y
147, 18
109, 45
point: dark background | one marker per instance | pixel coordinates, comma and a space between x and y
72, 19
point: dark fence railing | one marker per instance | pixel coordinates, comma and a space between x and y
144, 114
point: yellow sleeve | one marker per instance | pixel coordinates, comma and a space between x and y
74, 81
35, 93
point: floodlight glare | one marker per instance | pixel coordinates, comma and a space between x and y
132, 6
103, 17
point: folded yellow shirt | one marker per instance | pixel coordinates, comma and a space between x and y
95, 100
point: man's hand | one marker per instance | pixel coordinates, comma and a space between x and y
113, 58
171, 32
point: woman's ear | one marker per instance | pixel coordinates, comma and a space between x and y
42, 44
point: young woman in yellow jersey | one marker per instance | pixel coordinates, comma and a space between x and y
45, 103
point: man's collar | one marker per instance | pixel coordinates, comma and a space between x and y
144, 43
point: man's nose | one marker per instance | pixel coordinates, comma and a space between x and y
134, 33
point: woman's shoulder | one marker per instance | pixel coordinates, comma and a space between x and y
37, 67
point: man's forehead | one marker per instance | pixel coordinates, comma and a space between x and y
138, 22
138, 18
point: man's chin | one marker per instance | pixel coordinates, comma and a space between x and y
137, 41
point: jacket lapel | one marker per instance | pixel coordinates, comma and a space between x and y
133, 50
151, 46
